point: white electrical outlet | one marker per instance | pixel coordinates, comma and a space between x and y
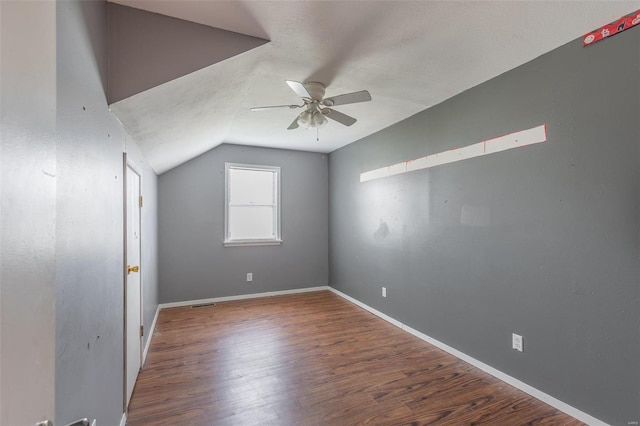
249, 276
517, 342
384, 292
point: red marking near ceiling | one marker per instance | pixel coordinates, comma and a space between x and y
616, 27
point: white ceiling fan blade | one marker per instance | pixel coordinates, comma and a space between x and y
293, 125
276, 106
299, 88
348, 98
339, 117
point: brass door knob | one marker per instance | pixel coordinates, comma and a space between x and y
131, 269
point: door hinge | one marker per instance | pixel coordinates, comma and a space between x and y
140, 201
141, 330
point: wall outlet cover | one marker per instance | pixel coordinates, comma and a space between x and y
517, 342
384, 292
249, 276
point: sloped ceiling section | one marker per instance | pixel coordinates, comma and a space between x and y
165, 77
147, 49
185, 117
409, 55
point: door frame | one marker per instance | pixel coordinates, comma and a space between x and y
126, 164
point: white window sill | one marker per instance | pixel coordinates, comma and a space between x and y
245, 243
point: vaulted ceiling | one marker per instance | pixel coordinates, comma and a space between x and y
409, 55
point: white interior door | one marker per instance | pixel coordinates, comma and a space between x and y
133, 299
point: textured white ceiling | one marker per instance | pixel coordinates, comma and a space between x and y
409, 54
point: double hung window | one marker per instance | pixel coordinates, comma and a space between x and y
252, 208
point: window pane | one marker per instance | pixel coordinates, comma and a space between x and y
250, 223
251, 187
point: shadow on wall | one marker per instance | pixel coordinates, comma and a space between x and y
96, 11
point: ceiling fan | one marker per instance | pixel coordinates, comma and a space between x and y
316, 107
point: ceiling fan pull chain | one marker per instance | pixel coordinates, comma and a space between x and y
317, 134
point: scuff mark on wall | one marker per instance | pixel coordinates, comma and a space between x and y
382, 232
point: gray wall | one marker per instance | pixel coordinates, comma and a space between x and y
27, 212
551, 247
193, 262
89, 224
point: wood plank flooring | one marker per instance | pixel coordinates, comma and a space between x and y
313, 359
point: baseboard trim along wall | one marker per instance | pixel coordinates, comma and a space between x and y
554, 402
242, 296
123, 420
149, 336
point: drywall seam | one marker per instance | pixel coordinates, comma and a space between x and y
490, 146
149, 336
242, 296
548, 399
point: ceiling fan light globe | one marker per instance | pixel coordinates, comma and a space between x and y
304, 124
305, 119
318, 119
314, 119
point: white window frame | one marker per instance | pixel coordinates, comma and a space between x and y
276, 240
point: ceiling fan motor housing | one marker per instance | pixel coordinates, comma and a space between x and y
316, 90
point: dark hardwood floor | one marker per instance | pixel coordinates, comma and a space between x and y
313, 359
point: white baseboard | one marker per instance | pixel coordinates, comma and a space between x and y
556, 403
241, 297
149, 336
123, 420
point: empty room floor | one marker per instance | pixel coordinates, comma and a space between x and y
313, 359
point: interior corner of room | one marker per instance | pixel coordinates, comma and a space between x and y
481, 196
